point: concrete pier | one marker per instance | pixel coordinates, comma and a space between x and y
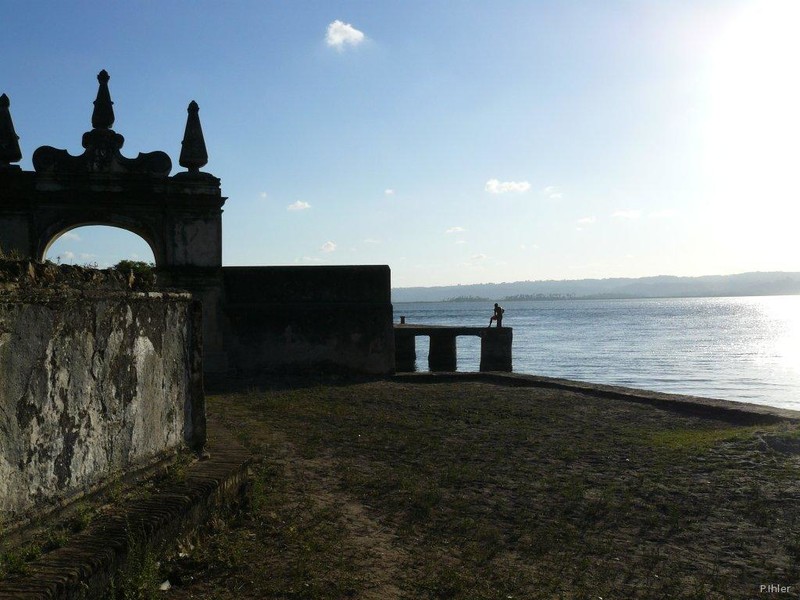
495, 346
442, 354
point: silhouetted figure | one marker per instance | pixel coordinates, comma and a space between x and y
497, 316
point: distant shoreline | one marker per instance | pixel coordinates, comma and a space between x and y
589, 297
776, 283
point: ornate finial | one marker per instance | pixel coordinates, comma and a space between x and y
9, 144
103, 114
193, 147
102, 145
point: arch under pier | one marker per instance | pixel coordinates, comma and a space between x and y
495, 346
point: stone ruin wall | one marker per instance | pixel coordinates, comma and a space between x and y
308, 319
96, 380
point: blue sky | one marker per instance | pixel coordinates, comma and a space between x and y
457, 142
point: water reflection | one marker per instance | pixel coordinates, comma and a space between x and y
736, 348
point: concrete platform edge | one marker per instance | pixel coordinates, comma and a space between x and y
738, 412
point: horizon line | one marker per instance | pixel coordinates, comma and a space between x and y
596, 279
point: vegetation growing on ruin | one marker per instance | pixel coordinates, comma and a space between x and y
50, 532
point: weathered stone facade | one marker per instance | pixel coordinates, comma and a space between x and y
94, 384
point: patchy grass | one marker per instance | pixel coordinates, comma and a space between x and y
471, 490
698, 440
139, 577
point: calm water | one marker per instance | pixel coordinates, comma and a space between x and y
745, 349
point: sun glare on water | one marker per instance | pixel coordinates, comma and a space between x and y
753, 136
785, 312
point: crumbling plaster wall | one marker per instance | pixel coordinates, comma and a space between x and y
92, 385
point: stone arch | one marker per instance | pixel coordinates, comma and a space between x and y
178, 216
56, 229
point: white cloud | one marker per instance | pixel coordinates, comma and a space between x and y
586, 220
71, 235
627, 214
460, 242
263, 195
456, 230
87, 256
479, 257
494, 186
388, 192
342, 34
299, 205
328, 247
552, 192
372, 241
662, 214
68, 255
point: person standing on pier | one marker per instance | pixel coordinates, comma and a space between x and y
498, 315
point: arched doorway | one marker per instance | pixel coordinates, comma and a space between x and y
99, 246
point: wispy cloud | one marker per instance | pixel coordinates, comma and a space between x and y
372, 241
299, 205
586, 220
71, 235
551, 192
627, 214
455, 230
661, 214
328, 247
263, 195
388, 192
342, 34
478, 257
460, 241
495, 186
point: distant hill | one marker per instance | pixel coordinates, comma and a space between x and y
662, 286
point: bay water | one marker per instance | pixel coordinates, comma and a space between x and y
743, 349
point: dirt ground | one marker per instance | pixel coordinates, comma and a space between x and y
392, 489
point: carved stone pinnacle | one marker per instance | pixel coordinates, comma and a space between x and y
9, 144
193, 147
103, 114
102, 147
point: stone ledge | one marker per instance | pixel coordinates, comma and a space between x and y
727, 410
84, 568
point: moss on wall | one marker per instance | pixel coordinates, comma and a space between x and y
95, 379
